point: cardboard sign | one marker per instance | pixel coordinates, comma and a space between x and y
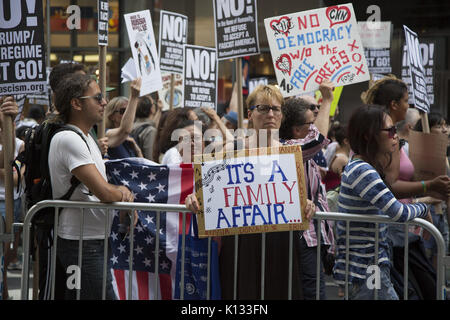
262, 190
428, 153
309, 46
236, 25
143, 49
416, 71
172, 37
22, 49
103, 21
428, 57
200, 76
164, 93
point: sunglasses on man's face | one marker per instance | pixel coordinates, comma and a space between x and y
313, 107
98, 97
392, 131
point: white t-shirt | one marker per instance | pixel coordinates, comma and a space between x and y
172, 156
67, 152
17, 195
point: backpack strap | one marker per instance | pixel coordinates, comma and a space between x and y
74, 182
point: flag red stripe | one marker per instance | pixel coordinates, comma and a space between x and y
120, 281
187, 187
142, 283
165, 283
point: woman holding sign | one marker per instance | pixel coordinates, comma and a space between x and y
265, 105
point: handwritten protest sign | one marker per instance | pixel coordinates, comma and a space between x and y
261, 191
172, 36
375, 35
309, 46
164, 93
143, 49
416, 71
200, 76
103, 21
428, 57
236, 28
22, 51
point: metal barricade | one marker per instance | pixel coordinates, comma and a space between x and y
129, 206
442, 260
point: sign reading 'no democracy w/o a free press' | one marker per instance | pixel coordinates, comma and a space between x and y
310, 46
22, 50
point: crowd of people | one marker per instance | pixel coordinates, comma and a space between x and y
362, 167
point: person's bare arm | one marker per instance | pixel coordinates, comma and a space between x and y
90, 176
117, 136
323, 117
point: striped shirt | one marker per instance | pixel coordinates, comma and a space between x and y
364, 192
311, 145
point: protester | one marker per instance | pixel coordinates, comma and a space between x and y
437, 125
300, 123
339, 160
392, 95
168, 124
230, 120
36, 116
8, 107
119, 118
373, 139
80, 105
144, 129
405, 126
265, 110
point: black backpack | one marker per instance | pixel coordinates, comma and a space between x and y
136, 134
37, 173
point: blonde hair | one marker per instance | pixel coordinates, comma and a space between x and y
266, 93
112, 107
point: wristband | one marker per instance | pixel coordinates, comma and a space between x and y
424, 186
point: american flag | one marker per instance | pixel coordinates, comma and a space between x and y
154, 183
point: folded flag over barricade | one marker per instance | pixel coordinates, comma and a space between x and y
154, 183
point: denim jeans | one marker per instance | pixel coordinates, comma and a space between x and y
91, 269
308, 262
360, 291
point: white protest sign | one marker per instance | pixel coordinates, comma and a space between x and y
261, 191
164, 93
22, 50
143, 49
254, 82
416, 71
172, 36
375, 36
200, 76
236, 25
310, 46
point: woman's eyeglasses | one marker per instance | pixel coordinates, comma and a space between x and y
392, 131
98, 97
264, 109
313, 107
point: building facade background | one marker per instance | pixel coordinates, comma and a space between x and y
428, 18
